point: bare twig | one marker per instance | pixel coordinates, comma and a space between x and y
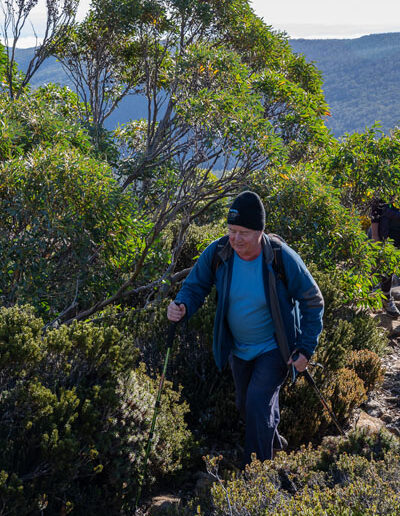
59, 17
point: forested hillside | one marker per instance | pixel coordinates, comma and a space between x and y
101, 225
361, 79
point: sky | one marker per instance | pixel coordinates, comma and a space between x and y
298, 18
330, 18
36, 18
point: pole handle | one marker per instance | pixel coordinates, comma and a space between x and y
172, 330
171, 334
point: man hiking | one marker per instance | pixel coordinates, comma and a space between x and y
268, 317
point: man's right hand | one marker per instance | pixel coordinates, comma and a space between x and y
176, 312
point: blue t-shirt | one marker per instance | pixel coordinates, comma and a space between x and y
248, 315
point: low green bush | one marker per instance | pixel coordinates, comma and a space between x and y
304, 419
209, 393
197, 238
332, 479
75, 414
368, 366
345, 325
346, 391
301, 413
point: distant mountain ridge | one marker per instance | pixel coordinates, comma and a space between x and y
361, 81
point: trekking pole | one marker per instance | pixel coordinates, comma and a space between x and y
310, 380
170, 339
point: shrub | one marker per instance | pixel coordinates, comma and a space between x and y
362, 332
368, 334
197, 239
359, 442
364, 164
316, 482
301, 413
346, 391
306, 210
303, 208
303, 418
75, 416
335, 344
63, 230
41, 118
368, 366
209, 393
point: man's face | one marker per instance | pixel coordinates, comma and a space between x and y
244, 241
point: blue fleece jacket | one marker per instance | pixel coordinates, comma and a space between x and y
301, 304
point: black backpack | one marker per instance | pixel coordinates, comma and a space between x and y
276, 244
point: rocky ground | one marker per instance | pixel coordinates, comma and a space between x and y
383, 405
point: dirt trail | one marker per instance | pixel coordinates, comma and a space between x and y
385, 402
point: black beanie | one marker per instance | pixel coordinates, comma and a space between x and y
247, 210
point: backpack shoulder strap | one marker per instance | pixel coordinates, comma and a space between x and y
279, 268
216, 259
276, 244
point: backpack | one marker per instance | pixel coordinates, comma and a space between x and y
277, 264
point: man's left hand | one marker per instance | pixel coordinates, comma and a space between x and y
300, 364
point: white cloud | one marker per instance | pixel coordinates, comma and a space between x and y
27, 42
35, 24
83, 8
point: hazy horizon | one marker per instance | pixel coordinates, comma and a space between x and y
330, 19
309, 19
30, 42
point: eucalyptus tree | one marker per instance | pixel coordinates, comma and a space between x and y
127, 46
60, 14
222, 90
363, 166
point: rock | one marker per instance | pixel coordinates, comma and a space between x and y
164, 505
387, 418
396, 293
395, 330
377, 413
394, 430
374, 408
389, 323
372, 403
369, 423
